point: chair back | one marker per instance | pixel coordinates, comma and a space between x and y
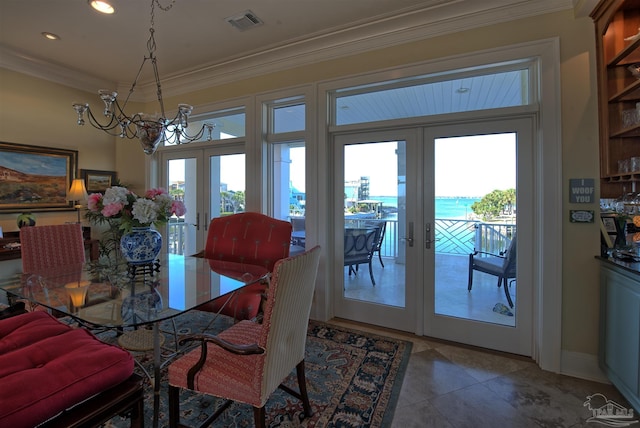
45, 247
298, 223
286, 316
509, 266
381, 225
359, 245
249, 237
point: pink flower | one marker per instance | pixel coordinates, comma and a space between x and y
112, 209
152, 193
93, 203
178, 208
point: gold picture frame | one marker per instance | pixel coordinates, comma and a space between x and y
97, 181
35, 178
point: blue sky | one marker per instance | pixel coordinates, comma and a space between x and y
35, 164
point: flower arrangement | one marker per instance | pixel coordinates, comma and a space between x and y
130, 210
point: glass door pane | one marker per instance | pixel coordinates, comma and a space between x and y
181, 177
374, 200
478, 196
475, 220
376, 275
226, 178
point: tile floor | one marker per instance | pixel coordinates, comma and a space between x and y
455, 386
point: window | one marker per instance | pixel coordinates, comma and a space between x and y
432, 95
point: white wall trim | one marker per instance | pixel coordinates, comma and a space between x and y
583, 366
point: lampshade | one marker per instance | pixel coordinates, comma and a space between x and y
77, 293
77, 192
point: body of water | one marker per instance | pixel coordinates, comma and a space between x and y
446, 208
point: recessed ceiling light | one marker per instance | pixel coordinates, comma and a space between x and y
102, 6
50, 36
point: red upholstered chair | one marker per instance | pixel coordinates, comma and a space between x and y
44, 247
248, 361
249, 238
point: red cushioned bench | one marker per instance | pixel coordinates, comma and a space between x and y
55, 375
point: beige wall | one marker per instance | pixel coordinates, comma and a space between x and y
579, 131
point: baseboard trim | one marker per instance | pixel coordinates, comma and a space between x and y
581, 365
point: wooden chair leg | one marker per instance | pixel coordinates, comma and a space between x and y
174, 406
302, 384
259, 417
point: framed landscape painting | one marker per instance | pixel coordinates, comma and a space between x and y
34, 178
98, 181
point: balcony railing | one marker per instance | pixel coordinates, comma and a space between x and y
453, 236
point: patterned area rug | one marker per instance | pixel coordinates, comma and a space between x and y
353, 380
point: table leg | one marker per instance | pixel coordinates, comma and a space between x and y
156, 374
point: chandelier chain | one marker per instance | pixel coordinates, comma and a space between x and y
164, 8
148, 130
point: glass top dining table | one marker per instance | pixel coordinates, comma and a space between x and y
115, 295
121, 296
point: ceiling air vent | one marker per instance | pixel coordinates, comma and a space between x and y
245, 20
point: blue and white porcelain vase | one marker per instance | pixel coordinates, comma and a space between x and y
141, 246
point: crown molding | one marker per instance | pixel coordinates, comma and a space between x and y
392, 31
35, 67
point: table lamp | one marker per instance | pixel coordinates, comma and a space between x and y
77, 193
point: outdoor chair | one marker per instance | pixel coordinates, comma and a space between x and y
298, 234
251, 238
382, 226
502, 265
359, 247
248, 361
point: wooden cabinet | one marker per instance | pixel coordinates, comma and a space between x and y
616, 24
620, 329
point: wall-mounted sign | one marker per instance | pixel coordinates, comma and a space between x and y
581, 190
581, 216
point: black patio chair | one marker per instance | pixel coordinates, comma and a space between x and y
359, 247
382, 226
502, 265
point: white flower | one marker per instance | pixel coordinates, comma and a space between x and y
114, 195
145, 211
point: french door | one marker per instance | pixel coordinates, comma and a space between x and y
374, 188
422, 183
211, 183
483, 165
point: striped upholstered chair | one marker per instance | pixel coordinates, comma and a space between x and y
249, 238
248, 361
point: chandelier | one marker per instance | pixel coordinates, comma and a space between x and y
150, 131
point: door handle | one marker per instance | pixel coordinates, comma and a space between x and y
409, 239
198, 221
427, 236
206, 225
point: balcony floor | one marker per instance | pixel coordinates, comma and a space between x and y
452, 297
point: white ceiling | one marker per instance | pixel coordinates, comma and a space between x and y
193, 36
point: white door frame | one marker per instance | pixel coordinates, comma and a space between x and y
384, 315
547, 253
514, 339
